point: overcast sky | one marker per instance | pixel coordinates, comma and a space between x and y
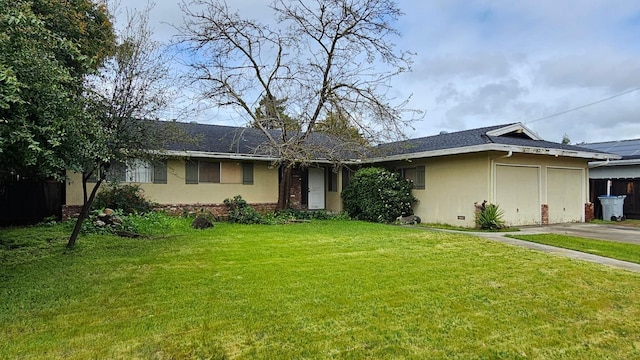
481, 63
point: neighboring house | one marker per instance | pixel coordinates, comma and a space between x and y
623, 173
533, 181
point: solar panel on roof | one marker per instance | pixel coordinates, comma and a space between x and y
624, 148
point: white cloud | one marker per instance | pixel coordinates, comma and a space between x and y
485, 62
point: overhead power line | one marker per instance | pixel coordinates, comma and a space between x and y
584, 106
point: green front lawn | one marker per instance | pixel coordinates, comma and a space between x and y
610, 249
325, 289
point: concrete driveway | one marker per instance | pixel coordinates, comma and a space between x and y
586, 230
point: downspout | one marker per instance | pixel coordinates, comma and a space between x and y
509, 154
492, 174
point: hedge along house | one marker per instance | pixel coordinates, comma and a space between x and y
532, 180
222, 162
623, 173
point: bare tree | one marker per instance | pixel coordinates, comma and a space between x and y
131, 88
323, 56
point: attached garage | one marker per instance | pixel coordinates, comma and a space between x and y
532, 180
517, 191
565, 194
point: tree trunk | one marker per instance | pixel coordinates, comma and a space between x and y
83, 214
284, 189
85, 177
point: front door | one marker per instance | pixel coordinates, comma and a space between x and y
316, 188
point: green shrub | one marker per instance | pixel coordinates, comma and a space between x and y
490, 217
128, 198
378, 195
295, 214
241, 212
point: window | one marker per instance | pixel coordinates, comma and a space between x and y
137, 171
216, 172
416, 175
332, 181
208, 172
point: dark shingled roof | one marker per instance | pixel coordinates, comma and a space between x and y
467, 138
251, 141
220, 139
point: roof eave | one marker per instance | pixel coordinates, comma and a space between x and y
241, 157
594, 164
495, 147
218, 155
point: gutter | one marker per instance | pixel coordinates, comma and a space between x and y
614, 163
241, 157
231, 156
510, 149
596, 164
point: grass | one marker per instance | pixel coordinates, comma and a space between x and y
463, 228
610, 249
628, 222
325, 289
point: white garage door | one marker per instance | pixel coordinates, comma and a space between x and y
518, 194
565, 195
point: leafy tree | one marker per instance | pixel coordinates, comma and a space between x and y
132, 87
378, 195
271, 114
565, 139
322, 56
46, 49
337, 125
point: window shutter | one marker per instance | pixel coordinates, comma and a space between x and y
160, 172
332, 181
346, 177
420, 181
117, 172
190, 172
247, 173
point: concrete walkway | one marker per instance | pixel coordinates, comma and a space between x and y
593, 231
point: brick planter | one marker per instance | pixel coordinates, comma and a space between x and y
218, 210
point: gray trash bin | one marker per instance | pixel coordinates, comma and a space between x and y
612, 207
